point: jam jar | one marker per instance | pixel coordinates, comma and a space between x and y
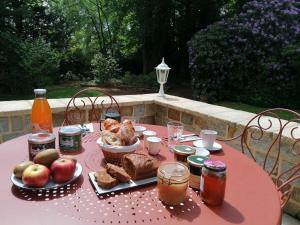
38, 142
213, 182
195, 163
172, 182
181, 152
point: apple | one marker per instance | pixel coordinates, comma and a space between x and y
63, 169
36, 175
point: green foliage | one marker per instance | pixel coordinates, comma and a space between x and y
251, 58
141, 80
39, 62
104, 68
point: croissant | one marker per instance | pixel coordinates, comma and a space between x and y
111, 138
126, 132
111, 125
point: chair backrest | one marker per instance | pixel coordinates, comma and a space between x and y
82, 108
271, 134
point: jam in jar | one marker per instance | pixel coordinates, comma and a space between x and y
213, 182
172, 182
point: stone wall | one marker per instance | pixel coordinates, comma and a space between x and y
15, 121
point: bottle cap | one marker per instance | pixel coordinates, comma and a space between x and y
40, 91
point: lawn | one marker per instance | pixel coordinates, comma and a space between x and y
253, 109
52, 92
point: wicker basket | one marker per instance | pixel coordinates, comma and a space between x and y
113, 154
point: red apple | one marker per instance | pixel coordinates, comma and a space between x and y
36, 175
63, 170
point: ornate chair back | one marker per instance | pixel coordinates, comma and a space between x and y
82, 108
278, 139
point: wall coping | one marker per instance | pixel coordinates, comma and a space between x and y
196, 108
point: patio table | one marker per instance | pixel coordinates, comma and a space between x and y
250, 197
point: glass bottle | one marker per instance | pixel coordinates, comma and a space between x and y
41, 114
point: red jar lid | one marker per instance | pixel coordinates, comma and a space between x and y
215, 165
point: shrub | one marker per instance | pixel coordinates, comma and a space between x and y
248, 58
40, 63
104, 68
141, 80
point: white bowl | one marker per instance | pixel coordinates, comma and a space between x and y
139, 130
118, 149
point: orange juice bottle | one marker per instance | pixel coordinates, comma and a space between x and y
41, 115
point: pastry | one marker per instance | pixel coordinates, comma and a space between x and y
126, 132
139, 166
105, 180
111, 138
111, 125
117, 172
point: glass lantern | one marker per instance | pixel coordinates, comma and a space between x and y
162, 72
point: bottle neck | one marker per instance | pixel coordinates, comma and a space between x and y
40, 95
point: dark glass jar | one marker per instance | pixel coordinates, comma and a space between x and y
213, 182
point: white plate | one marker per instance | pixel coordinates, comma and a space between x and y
216, 147
50, 185
122, 186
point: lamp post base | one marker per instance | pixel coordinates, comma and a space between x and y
161, 92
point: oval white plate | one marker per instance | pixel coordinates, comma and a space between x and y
50, 185
216, 147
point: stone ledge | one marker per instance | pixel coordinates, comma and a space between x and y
187, 106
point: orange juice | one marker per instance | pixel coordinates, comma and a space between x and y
41, 115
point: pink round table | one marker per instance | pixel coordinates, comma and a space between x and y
250, 198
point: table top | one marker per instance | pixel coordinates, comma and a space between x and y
250, 196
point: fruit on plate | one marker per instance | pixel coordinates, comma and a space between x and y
36, 175
62, 170
19, 168
46, 157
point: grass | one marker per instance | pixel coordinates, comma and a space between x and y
52, 92
253, 109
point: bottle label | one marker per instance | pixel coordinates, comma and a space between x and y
35, 128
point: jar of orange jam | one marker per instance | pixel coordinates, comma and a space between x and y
172, 182
213, 182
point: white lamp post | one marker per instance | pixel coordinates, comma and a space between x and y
162, 72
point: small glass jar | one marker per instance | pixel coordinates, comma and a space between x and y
195, 164
213, 182
172, 182
70, 138
38, 142
181, 152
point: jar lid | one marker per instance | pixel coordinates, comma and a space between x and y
41, 138
112, 115
174, 172
70, 130
196, 160
215, 165
184, 149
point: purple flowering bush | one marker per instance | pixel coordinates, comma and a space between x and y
252, 57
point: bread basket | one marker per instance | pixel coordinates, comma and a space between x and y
113, 154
